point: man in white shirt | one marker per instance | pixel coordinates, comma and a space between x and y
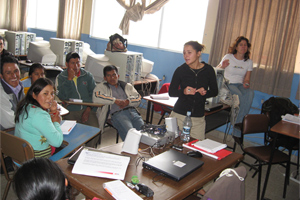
11, 91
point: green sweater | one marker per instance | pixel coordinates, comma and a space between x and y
67, 89
38, 129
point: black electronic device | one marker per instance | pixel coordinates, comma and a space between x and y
195, 154
173, 164
72, 159
179, 148
145, 190
154, 129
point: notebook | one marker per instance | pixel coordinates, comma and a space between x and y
212, 106
173, 164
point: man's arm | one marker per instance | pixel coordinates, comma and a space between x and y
134, 97
7, 118
63, 87
102, 95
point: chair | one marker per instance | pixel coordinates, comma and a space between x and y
229, 185
109, 123
18, 149
258, 123
159, 108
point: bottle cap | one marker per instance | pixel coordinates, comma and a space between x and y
188, 113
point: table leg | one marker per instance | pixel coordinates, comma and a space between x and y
148, 112
152, 111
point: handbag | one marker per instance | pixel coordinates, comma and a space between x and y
117, 43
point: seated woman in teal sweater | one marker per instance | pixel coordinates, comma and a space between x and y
38, 120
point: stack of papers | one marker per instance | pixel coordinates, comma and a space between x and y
291, 118
163, 96
119, 190
76, 100
93, 162
67, 126
210, 146
218, 155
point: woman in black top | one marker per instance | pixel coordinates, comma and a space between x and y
192, 83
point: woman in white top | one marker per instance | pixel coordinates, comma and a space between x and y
238, 68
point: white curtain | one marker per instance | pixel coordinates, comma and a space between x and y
135, 11
70, 19
13, 15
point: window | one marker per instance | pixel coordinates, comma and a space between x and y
183, 20
42, 14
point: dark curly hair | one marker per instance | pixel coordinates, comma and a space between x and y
232, 48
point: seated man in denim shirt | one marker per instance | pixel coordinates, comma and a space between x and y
119, 99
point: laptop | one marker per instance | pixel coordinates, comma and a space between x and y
210, 106
173, 164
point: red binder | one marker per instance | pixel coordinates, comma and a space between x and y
218, 155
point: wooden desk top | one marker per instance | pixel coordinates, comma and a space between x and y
164, 189
287, 128
144, 80
83, 103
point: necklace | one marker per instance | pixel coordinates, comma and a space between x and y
196, 71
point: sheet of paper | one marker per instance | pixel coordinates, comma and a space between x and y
163, 96
101, 164
67, 126
291, 118
120, 191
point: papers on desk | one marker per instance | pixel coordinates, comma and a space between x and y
93, 162
210, 146
62, 110
120, 191
163, 96
67, 126
76, 100
219, 155
291, 118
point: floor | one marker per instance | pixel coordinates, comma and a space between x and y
275, 184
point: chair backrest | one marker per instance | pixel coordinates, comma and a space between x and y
17, 148
164, 88
255, 123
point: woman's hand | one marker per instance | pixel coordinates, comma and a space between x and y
246, 85
55, 117
189, 91
225, 63
53, 107
202, 91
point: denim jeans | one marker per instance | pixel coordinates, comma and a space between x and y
125, 120
245, 98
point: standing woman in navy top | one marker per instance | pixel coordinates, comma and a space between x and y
192, 83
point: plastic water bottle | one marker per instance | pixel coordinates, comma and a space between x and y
186, 130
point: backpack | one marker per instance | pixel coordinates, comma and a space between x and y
276, 107
117, 43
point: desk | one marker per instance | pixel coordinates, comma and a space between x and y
283, 128
146, 86
220, 118
76, 138
165, 189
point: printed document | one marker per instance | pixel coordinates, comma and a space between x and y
120, 191
101, 164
